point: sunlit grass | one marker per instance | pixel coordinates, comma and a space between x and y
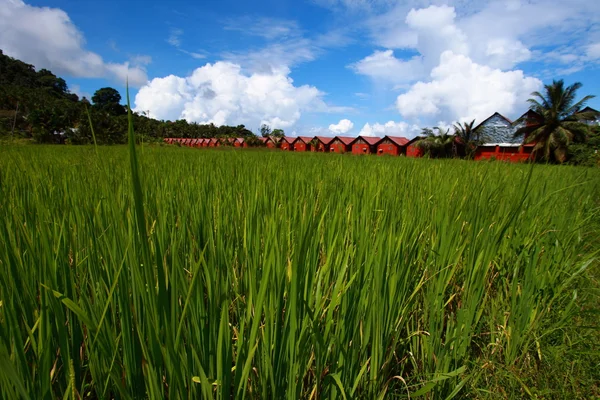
257, 274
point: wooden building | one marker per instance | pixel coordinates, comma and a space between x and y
323, 143
303, 143
287, 143
412, 150
341, 144
392, 145
365, 145
505, 152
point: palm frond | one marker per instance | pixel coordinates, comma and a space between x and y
579, 105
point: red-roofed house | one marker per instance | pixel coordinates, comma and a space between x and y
287, 143
365, 145
240, 142
269, 142
341, 144
412, 150
392, 145
303, 143
323, 143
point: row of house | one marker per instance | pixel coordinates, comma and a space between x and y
497, 131
209, 142
391, 145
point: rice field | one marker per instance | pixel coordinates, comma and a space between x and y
268, 275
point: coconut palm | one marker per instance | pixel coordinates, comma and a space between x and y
436, 144
469, 137
557, 120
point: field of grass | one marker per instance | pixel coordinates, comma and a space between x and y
256, 274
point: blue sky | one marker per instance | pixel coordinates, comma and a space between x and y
313, 67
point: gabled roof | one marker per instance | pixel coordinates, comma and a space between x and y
325, 139
411, 141
529, 114
398, 140
305, 139
289, 139
496, 114
589, 109
240, 140
371, 140
347, 140
271, 138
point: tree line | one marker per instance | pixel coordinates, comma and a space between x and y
38, 105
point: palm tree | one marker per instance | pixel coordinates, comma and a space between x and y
558, 121
469, 137
438, 144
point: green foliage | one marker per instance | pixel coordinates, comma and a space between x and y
437, 145
278, 133
189, 274
265, 130
468, 137
47, 112
588, 152
557, 120
108, 100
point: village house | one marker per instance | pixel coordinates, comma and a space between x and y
365, 145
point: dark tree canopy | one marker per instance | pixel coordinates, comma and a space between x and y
109, 100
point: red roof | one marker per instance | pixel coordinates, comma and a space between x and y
263, 139
289, 139
372, 140
398, 140
347, 140
325, 139
305, 139
411, 141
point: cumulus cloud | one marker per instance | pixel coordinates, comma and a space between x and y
47, 38
221, 94
464, 66
390, 128
383, 66
593, 51
461, 89
344, 126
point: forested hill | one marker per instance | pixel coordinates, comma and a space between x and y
37, 104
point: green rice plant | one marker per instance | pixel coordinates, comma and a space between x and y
201, 273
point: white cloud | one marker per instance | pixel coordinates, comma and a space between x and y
461, 89
383, 66
265, 27
593, 51
344, 126
174, 38
390, 128
276, 57
286, 44
220, 93
47, 38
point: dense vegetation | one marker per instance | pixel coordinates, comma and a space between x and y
39, 105
225, 273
